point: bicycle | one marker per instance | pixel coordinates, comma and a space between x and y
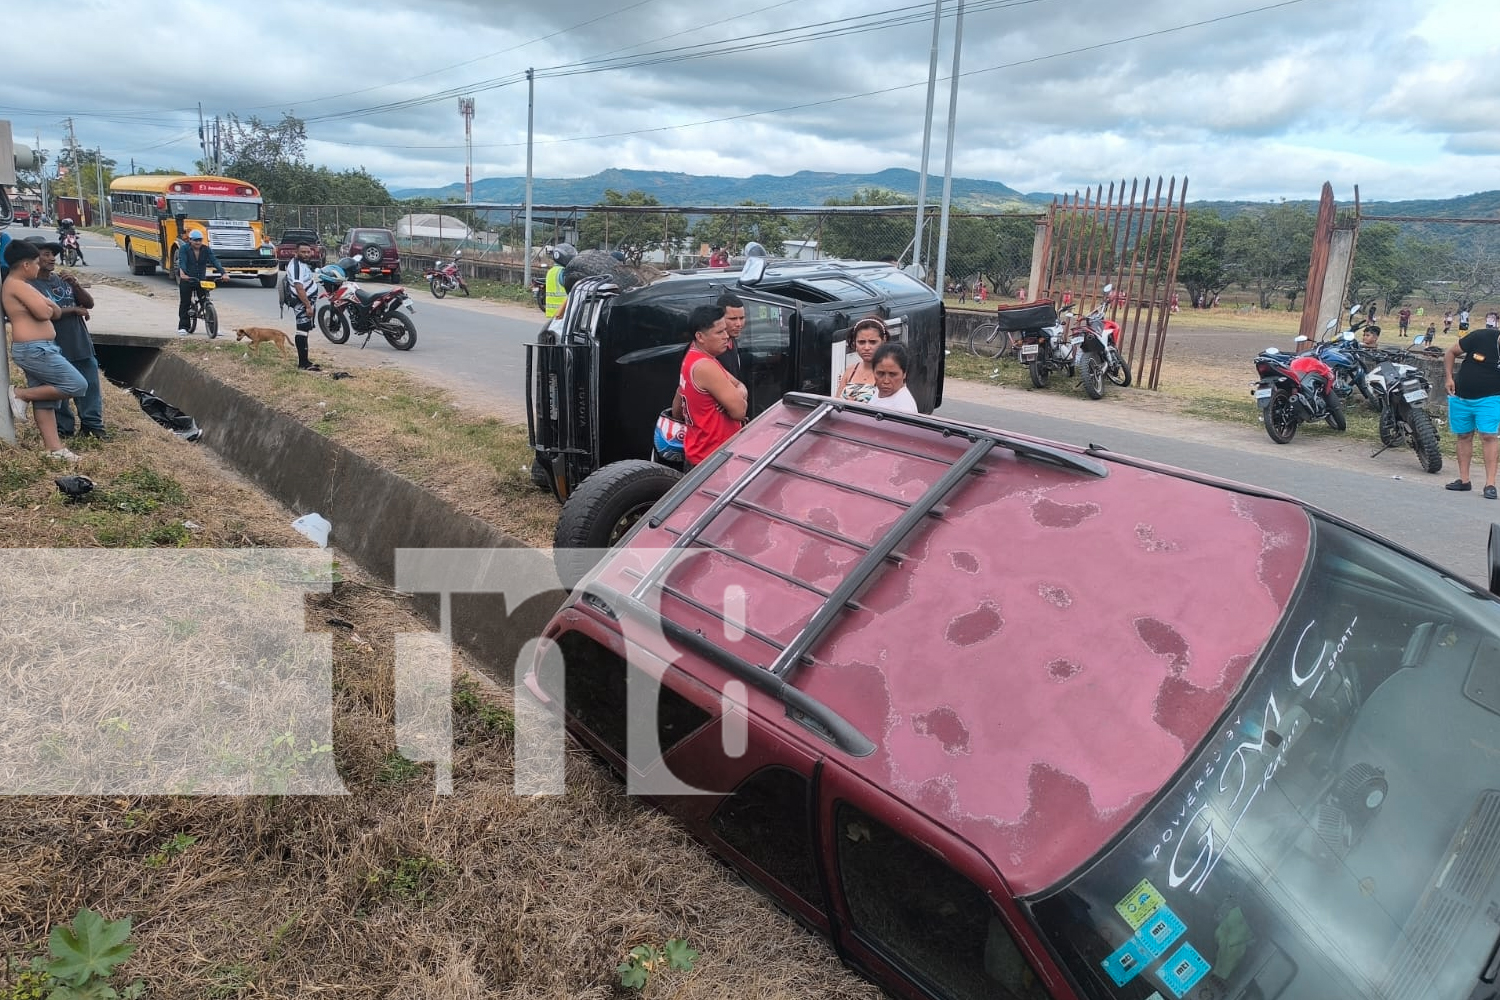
202, 306
987, 340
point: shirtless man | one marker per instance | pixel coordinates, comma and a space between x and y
33, 347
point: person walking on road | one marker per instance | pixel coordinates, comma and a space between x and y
1474, 402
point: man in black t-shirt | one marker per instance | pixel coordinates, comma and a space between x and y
1474, 401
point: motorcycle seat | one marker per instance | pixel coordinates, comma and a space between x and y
367, 297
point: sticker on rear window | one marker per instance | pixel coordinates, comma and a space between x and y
1182, 971
1127, 961
1161, 931
1140, 904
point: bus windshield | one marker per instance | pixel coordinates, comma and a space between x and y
1338, 835
210, 210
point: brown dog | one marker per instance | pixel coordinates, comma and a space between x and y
258, 335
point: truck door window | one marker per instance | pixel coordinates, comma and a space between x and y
766, 819
922, 915
765, 347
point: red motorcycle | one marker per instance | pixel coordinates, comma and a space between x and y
1295, 389
351, 309
444, 278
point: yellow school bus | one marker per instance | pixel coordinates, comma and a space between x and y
152, 213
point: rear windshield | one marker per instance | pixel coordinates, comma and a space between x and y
379, 237
1338, 836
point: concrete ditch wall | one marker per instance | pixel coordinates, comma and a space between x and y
374, 512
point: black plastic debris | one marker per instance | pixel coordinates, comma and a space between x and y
75, 488
168, 416
338, 375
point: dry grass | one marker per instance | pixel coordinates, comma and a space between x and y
478, 464
387, 891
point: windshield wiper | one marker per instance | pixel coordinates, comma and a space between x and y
1485, 989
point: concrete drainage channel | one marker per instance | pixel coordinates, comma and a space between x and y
374, 511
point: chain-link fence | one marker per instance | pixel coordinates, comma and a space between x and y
989, 249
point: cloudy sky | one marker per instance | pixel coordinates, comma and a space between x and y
1247, 98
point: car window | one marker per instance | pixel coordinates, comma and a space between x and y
765, 348
594, 694
379, 237
767, 820
922, 915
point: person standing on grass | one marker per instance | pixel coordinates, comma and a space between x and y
33, 347
1404, 319
1474, 402
73, 341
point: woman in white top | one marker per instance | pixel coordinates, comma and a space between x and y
890, 363
857, 384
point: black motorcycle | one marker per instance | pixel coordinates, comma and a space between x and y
350, 308
539, 292
1402, 391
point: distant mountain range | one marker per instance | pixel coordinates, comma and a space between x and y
804, 188
808, 188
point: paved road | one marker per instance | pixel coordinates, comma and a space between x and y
477, 349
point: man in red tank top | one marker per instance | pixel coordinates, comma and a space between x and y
712, 402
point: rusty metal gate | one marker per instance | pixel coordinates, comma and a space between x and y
1130, 242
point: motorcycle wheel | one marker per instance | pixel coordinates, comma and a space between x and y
399, 332
210, 319
1281, 417
70, 258
541, 300
438, 288
335, 326
1424, 440
1371, 400
1091, 374
1390, 427
1039, 374
1119, 372
1336, 418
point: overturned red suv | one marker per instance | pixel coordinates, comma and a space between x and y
1006, 718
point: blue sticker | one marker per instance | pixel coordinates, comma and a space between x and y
1158, 933
1182, 971
1128, 961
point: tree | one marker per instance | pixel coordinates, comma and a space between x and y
635, 233
992, 248
860, 236
1202, 268
83, 175
1269, 250
735, 229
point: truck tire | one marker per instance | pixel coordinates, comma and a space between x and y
268, 281
603, 508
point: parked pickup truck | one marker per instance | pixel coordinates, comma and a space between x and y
287, 248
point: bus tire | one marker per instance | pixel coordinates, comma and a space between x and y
138, 265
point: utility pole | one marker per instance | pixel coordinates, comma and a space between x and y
202, 137
958, 46
218, 149
530, 103
916, 244
466, 108
99, 178
41, 169
77, 173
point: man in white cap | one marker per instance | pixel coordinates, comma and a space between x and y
194, 260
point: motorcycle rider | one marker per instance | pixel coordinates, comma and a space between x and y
561, 255
194, 259
67, 235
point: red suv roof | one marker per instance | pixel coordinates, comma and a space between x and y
1029, 705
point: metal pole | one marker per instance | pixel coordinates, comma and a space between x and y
99, 176
530, 104
958, 44
916, 244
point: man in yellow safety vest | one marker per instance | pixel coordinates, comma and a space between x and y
556, 296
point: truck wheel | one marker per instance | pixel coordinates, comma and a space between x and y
602, 510
268, 281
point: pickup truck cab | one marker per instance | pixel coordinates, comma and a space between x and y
286, 249
1010, 718
603, 372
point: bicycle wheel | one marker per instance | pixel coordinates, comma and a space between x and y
211, 319
987, 341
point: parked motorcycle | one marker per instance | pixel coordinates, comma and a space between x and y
1342, 353
1401, 390
350, 308
1293, 390
1099, 353
1044, 343
444, 278
539, 292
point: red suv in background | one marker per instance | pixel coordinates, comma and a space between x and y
1006, 718
375, 250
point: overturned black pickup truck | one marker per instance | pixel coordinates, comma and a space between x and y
602, 373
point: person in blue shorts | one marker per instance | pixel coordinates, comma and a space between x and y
1474, 401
